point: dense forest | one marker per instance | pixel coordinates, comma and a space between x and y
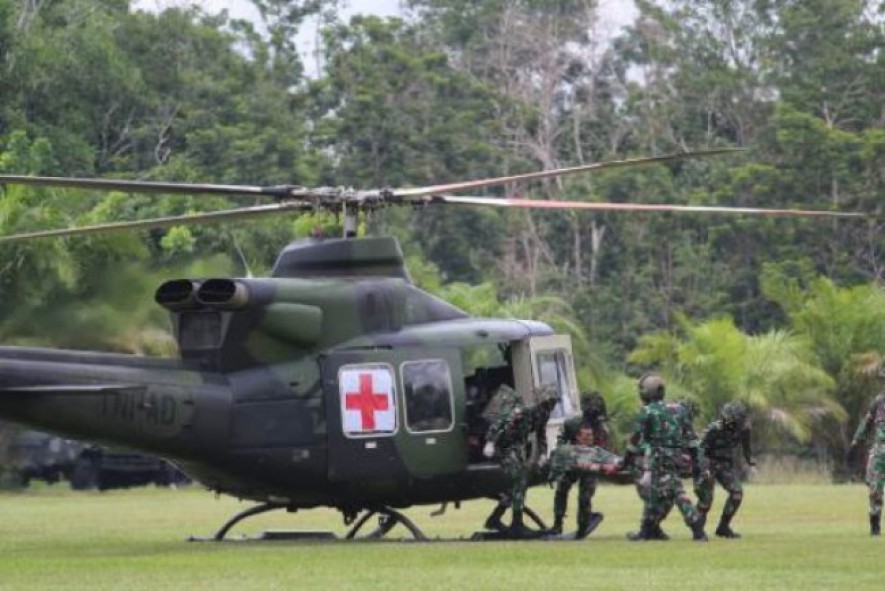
788, 314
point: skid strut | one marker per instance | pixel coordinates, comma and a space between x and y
534, 517
256, 510
387, 520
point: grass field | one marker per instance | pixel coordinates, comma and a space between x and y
795, 537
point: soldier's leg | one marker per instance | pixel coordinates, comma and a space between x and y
876, 488
876, 481
690, 515
703, 490
586, 490
655, 496
731, 483
560, 499
657, 531
493, 521
519, 479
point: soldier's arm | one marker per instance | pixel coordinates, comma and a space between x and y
562, 437
635, 439
866, 424
745, 447
495, 430
708, 438
602, 436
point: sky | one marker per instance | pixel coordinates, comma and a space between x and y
614, 14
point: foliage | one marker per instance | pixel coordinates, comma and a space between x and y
775, 374
785, 313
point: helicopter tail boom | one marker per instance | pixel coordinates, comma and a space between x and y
143, 404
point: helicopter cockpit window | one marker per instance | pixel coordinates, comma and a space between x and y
428, 396
551, 371
199, 329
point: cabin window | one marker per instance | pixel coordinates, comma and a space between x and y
428, 396
551, 371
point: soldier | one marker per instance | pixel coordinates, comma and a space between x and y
587, 429
691, 462
509, 439
718, 444
657, 436
874, 421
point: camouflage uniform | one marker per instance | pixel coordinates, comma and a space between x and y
691, 460
874, 421
719, 442
511, 437
657, 436
588, 429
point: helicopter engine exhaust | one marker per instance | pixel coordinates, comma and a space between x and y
223, 294
178, 294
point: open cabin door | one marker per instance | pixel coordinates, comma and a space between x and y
547, 361
394, 415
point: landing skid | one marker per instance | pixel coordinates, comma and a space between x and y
525, 533
387, 519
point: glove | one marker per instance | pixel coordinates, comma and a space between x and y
489, 450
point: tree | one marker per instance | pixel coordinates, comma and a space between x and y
845, 328
776, 374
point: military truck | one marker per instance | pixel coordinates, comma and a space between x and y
33, 455
103, 468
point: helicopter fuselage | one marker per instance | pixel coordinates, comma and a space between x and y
280, 433
354, 391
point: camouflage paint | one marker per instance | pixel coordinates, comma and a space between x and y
252, 408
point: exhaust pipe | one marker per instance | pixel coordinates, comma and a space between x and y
178, 294
223, 294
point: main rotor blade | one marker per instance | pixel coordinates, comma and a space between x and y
166, 222
546, 174
281, 191
644, 207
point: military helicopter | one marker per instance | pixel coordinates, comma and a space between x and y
334, 382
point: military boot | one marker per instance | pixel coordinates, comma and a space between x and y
723, 530
556, 529
644, 532
588, 523
493, 522
659, 534
697, 531
875, 525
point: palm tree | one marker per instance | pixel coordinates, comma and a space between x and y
776, 374
845, 329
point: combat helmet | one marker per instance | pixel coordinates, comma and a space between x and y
592, 403
651, 388
734, 412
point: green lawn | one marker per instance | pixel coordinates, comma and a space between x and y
795, 537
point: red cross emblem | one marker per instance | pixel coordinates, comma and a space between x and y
367, 399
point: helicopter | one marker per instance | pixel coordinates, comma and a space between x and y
334, 382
